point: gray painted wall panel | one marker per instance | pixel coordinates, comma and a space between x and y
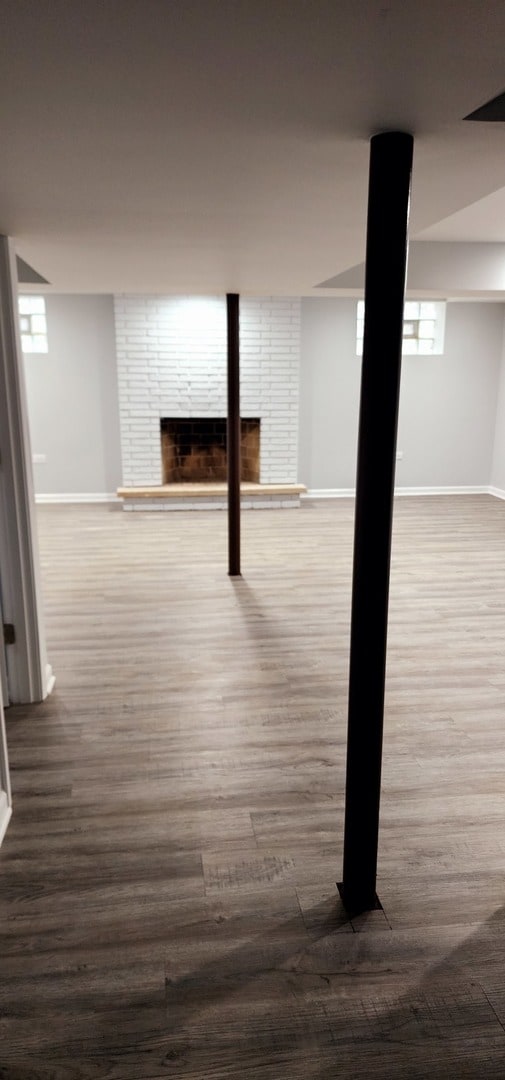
73, 398
329, 394
498, 470
447, 406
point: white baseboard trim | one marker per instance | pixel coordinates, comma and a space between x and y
349, 493
329, 493
498, 493
79, 497
5, 814
481, 489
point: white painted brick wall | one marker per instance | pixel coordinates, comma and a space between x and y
171, 358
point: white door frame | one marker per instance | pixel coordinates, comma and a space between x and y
29, 678
4, 688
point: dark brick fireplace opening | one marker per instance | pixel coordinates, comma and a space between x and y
194, 450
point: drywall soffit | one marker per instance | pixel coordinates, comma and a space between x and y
442, 268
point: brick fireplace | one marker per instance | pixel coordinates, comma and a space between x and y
171, 357
194, 451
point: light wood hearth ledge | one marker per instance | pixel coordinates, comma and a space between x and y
195, 491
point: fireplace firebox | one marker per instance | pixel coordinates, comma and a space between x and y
193, 450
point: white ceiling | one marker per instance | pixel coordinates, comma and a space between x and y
207, 146
481, 221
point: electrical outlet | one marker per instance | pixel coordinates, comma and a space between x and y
399, 455
39, 459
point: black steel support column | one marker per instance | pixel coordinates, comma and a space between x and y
386, 264
233, 434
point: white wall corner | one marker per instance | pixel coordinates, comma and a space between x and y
50, 680
5, 783
5, 814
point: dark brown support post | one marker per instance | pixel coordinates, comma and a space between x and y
233, 434
386, 265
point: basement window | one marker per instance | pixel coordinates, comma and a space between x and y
423, 327
33, 324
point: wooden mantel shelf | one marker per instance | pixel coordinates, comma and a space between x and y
195, 491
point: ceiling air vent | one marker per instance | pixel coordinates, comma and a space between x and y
493, 111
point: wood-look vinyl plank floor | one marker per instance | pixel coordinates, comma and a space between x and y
168, 901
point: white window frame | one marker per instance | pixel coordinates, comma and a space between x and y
427, 319
33, 323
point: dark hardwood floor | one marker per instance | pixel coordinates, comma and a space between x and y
168, 902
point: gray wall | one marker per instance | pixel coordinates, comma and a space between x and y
73, 398
329, 394
498, 469
449, 423
447, 407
